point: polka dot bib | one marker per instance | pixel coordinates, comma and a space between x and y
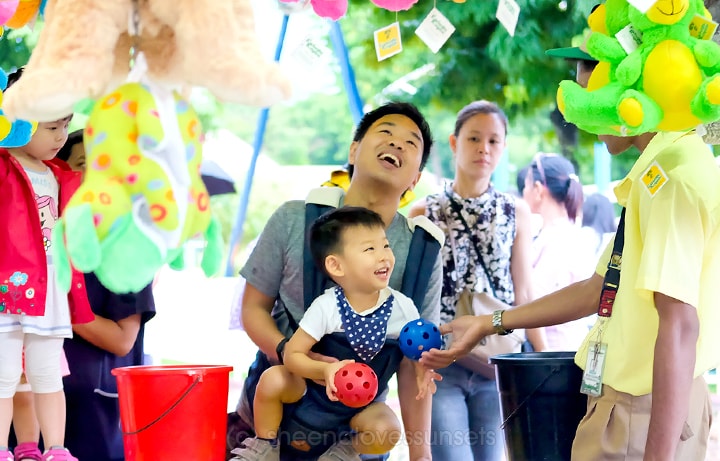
366, 333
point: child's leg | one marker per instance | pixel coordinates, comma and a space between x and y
276, 387
378, 429
11, 345
42, 368
24, 420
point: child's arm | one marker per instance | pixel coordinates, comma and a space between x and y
425, 380
415, 414
115, 337
296, 359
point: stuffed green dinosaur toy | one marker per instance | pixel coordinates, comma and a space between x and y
670, 82
142, 196
602, 93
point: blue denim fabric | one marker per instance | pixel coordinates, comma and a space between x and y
466, 417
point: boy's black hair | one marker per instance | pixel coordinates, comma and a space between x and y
326, 232
76, 137
396, 108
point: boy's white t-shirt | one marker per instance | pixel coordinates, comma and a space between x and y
323, 315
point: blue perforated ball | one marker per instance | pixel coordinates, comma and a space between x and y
418, 336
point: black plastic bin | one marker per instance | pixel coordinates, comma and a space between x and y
541, 404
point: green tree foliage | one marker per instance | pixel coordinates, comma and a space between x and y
16, 46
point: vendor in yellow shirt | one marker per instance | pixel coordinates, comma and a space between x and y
649, 401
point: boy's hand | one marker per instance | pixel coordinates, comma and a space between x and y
330, 371
425, 381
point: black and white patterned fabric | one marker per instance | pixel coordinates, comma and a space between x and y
491, 217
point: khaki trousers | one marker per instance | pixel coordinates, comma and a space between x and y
615, 426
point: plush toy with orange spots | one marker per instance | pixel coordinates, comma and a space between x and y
142, 196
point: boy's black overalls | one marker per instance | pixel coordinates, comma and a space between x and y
315, 423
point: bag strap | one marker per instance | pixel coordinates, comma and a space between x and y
611, 282
457, 210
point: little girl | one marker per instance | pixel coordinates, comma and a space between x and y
34, 312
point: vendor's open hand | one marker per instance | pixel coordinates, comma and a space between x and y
321, 358
467, 331
330, 371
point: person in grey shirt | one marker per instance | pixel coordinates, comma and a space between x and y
390, 147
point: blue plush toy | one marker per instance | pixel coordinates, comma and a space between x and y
17, 133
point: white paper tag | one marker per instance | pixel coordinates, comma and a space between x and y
508, 12
642, 5
435, 30
629, 38
387, 41
310, 51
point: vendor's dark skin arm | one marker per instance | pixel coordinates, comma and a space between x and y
673, 369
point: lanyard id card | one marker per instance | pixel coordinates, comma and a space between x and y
592, 376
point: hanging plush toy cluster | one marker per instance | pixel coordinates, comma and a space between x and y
654, 72
13, 133
335, 9
142, 196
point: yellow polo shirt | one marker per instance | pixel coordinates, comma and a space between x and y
672, 246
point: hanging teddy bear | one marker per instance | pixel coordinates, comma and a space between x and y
82, 52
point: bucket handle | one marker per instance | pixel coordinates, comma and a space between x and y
525, 400
195, 382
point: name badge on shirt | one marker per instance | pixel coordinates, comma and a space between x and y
592, 376
654, 178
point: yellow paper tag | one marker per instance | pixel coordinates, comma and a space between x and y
387, 41
654, 178
702, 28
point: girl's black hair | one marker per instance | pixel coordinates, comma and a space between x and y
479, 107
558, 175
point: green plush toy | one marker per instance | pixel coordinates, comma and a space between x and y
142, 196
670, 82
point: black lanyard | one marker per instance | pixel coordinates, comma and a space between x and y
612, 276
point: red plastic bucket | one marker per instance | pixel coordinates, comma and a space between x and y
173, 411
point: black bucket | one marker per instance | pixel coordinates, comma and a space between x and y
541, 404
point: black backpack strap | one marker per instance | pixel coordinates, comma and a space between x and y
314, 280
424, 248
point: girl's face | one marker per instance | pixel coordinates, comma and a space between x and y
47, 139
479, 145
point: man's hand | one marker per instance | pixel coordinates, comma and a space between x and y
330, 371
467, 331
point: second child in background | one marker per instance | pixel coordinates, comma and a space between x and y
479, 221
114, 339
348, 244
35, 314
560, 255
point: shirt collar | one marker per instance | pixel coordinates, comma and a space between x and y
656, 145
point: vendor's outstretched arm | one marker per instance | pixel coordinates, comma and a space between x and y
571, 303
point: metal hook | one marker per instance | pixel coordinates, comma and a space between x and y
134, 32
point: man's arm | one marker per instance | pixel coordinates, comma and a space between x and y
673, 369
520, 269
415, 413
115, 337
258, 323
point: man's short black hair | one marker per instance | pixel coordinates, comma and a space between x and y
326, 233
76, 137
396, 108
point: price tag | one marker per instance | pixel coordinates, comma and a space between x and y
629, 38
310, 51
387, 41
508, 12
435, 30
702, 28
642, 5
